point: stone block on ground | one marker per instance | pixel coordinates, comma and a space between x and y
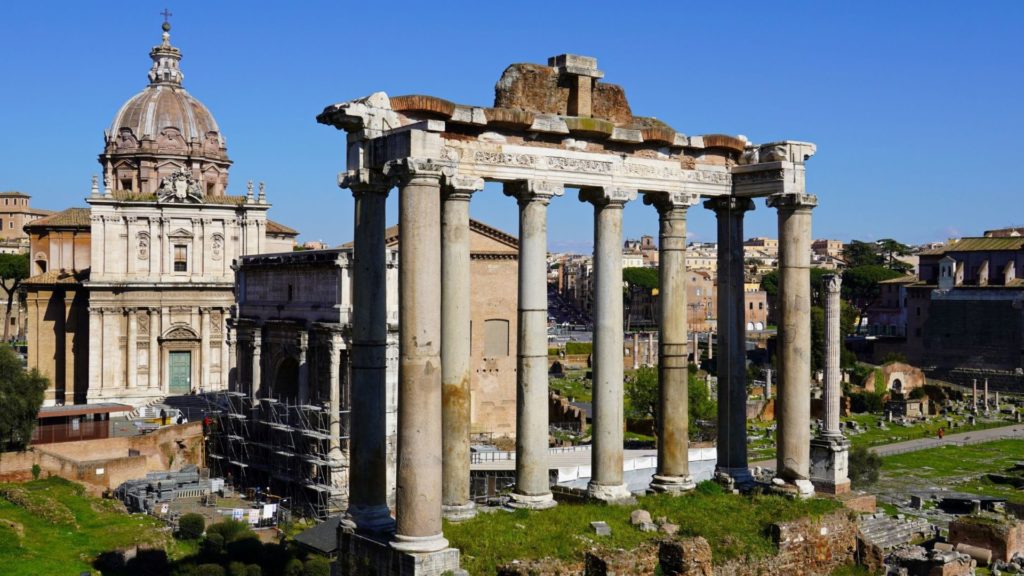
639, 517
641, 561
601, 528
685, 557
542, 567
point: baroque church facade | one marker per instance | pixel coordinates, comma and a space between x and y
130, 298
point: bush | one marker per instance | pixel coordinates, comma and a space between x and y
209, 570
709, 488
293, 567
245, 549
236, 569
317, 566
253, 570
191, 526
864, 466
213, 544
35, 471
231, 530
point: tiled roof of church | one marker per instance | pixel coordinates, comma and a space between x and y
51, 277
978, 245
278, 228
70, 218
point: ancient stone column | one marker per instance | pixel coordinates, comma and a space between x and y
986, 395
793, 405
303, 346
533, 485
650, 343
257, 353
974, 395
418, 496
132, 353
368, 498
606, 482
732, 463
154, 348
711, 341
333, 345
673, 472
455, 345
636, 350
230, 371
833, 345
695, 349
768, 384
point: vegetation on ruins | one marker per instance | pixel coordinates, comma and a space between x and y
21, 395
13, 269
735, 526
641, 394
974, 469
191, 526
644, 277
864, 466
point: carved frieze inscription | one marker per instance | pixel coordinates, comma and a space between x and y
759, 177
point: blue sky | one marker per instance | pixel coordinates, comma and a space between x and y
914, 106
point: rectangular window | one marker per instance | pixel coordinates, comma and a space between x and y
180, 258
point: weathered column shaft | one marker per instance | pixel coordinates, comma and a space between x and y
732, 370
334, 398
673, 473
455, 345
532, 489
833, 346
606, 480
257, 361
204, 345
793, 405
154, 348
418, 495
368, 497
303, 367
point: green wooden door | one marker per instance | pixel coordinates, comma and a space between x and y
180, 368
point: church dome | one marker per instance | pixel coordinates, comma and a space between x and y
165, 114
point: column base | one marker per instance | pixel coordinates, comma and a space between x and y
458, 512
419, 544
369, 519
801, 488
612, 494
534, 502
671, 484
830, 464
359, 555
734, 478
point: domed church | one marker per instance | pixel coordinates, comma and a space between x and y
129, 299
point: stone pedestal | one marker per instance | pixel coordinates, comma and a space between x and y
830, 465
359, 555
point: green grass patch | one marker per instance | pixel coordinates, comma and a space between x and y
735, 526
875, 436
574, 386
48, 545
963, 467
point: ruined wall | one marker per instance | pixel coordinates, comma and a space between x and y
1003, 537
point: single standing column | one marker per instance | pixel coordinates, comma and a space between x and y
132, 349
607, 454
419, 470
793, 406
732, 464
711, 340
833, 345
768, 384
986, 395
257, 351
303, 367
636, 350
334, 455
974, 395
154, 349
533, 484
455, 344
650, 343
696, 350
368, 467
230, 356
830, 450
204, 348
673, 473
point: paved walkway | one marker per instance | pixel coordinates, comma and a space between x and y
959, 439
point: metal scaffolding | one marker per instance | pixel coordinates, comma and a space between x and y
285, 449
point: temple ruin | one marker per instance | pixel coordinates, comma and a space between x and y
551, 128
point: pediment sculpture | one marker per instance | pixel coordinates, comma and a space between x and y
180, 188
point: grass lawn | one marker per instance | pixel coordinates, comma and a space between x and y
735, 526
574, 386
961, 467
874, 436
31, 543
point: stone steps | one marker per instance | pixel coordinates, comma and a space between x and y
887, 532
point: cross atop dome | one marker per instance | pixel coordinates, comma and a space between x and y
165, 57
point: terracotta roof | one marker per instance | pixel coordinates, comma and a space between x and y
53, 277
70, 218
14, 193
978, 245
278, 228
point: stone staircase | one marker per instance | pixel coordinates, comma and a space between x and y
887, 532
193, 406
136, 412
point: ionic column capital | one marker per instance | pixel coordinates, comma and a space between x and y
608, 197
365, 181
406, 170
792, 202
666, 202
527, 191
729, 204
461, 188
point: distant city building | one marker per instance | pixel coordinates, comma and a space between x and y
825, 247
15, 213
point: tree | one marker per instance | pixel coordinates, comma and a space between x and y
642, 392
889, 250
864, 466
21, 395
191, 526
860, 285
13, 269
858, 253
